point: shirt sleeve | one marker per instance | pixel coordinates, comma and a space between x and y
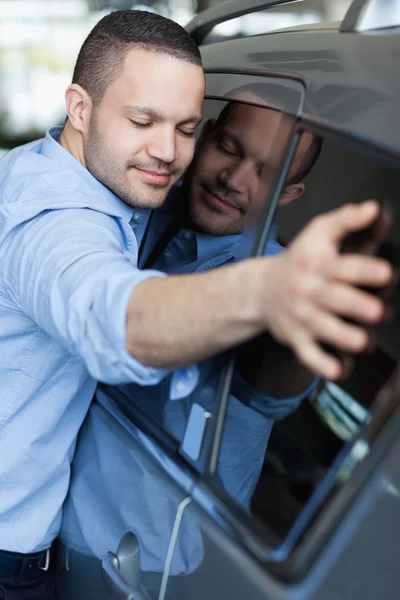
69, 271
273, 408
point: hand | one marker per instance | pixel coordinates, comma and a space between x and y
314, 286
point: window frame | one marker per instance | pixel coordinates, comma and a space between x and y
289, 562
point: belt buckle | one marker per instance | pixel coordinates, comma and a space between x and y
31, 567
47, 561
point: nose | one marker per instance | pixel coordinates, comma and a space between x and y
163, 145
238, 177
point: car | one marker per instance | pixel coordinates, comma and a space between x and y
319, 521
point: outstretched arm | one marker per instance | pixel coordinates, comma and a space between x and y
299, 297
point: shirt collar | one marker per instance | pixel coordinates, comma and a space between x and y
53, 150
241, 244
209, 246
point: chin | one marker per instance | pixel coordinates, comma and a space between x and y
216, 227
213, 223
145, 201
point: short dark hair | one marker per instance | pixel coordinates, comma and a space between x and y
102, 54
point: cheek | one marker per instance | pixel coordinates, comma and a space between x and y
185, 151
126, 141
209, 166
111, 140
260, 194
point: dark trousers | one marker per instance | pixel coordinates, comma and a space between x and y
39, 588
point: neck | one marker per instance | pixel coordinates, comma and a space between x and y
71, 140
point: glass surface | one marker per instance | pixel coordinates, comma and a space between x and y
286, 454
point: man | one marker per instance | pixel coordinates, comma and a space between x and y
75, 308
198, 227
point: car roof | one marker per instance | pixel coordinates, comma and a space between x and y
320, 26
351, 79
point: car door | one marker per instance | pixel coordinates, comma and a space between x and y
141, 451
320, 523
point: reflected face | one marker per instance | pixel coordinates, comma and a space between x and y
140, 138
234, 166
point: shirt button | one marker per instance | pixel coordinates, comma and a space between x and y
187, 235
136, 217
180, 386
190, 372
167, 254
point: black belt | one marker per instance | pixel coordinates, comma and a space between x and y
23, 566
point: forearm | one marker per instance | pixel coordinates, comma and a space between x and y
272, 368
181, 320
300, 297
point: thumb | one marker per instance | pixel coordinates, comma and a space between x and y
349, 218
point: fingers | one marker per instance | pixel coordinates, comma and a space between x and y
319, 361
349, 218
351, 302
321, 287
362, 270
336, 332
379, 232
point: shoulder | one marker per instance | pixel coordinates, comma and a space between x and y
26, 174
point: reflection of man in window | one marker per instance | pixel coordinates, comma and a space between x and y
198, 228
235, 165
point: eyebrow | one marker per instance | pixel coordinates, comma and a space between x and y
159, 116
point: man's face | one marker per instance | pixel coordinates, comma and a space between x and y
140, 137
233, 167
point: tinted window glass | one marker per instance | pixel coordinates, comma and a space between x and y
292, 435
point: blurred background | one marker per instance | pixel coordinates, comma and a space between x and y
40, 39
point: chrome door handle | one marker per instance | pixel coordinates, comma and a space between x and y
121, 571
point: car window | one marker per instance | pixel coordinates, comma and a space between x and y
240, 149
291, 14
279, 451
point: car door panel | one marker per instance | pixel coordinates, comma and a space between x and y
136, 468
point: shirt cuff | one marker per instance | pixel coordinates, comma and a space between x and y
106, 354
273, 408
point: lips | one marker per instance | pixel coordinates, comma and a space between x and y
219, 202
155, 177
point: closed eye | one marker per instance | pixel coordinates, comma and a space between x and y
187, 133
227, 149
140, 124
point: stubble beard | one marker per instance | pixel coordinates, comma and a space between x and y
103, 167
204, 220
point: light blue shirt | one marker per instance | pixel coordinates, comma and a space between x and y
68, 267
112, 488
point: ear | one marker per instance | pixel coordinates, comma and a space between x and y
79, 107
208, 128
291, 192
